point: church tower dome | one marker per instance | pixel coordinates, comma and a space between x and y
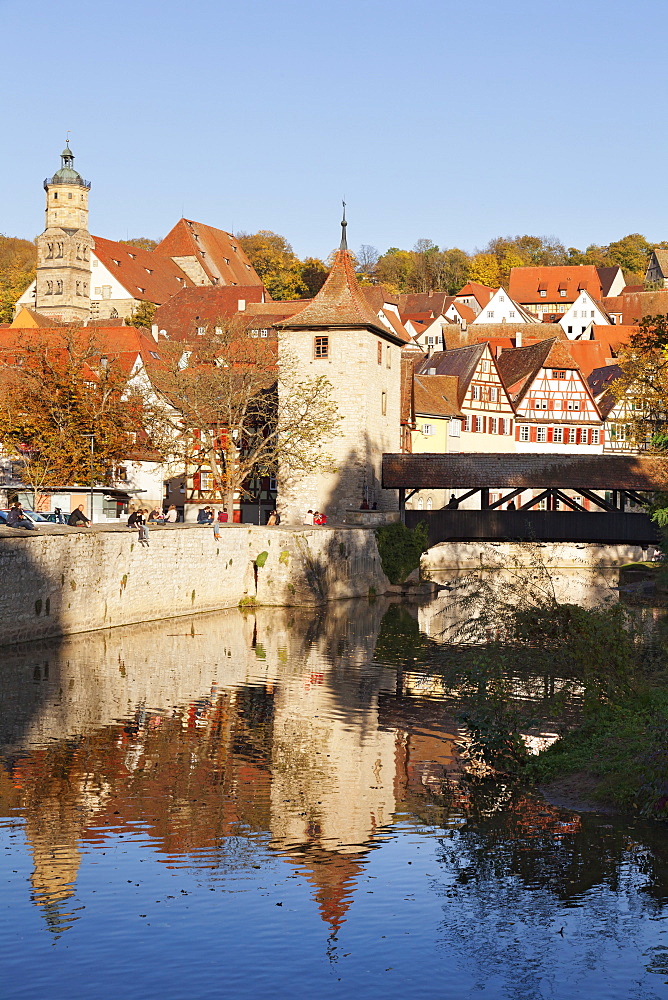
62, 287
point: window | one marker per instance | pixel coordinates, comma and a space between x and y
562, 292
49, 251
540, 404
475, 392
595, 436
59, 249
383, 403
558, 374
485, 367
429, 504
573, 404
570, 329
55, 196
543, 293
524, 432
380, 353
455, 428
49, 288
206, 481
420, 504
507, 425
388, 357
494, 394
321, 347
94, 262
490, 314
511, 314
153, 354
558, 435
493, 425
467, 423
427, 429
502, 298
263, 333
59, 288
541, 434
78, 288
201, 330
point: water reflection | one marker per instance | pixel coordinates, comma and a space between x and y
221, 744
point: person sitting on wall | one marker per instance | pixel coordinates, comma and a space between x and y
205, 516
511, 506
17, 519
156, 515
77, 517
364, 505
271, 520
222, 516
172, 515
308, 517
135, 519
319, 517
453, 503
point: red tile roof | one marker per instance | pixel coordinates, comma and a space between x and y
203, 306
339, 303
588, 354
525, 283
219, 254
145, 275
481, 293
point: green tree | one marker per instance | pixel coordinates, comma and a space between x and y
313, 274
142, 315
484, 268
456, 268
395, 270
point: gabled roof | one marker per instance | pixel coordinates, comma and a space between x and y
461, 363
600, 385
607, 276
615, 336
662, 261
526, 283
203, 305
218, 253
28, 318
144, 274
437, 395
340, 303
519, 367
419, 302
481, 293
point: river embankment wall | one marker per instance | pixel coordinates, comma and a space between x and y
466, 556
76, 580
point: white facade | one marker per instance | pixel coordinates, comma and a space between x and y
502, 309
558, 414
580, 315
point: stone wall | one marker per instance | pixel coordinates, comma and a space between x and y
65, 580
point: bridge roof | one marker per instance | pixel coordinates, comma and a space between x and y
479, 471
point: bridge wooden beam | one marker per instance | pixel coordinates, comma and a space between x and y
506, 499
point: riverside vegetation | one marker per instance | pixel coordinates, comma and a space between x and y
519, 663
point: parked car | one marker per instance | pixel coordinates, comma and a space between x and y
34, 517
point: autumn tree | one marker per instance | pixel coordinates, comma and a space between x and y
275, 262
221, 410
367, 262
18, 260
57, 388
142, 242
313, 273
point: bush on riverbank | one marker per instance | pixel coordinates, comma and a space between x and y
400, 549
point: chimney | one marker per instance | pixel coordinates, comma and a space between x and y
154, 331
431, 371
464, 325
518, 338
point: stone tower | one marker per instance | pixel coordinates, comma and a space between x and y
339, 336
63, 249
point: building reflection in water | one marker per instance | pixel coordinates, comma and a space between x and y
259, 729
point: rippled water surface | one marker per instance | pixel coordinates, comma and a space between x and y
271, 804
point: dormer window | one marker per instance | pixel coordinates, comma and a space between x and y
149, 270
542, 293
133, 255
562, 292
142, 290
117, 262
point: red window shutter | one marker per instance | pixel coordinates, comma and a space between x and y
532, 434
517, 432
484, 425
550, 404
196, 481
550, 435
566, 435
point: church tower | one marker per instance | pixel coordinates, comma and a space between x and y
63, 249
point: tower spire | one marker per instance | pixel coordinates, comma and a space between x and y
344, 242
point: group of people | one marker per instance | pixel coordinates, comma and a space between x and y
315, 517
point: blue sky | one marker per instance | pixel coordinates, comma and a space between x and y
449, 120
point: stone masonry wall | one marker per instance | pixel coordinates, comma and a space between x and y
67, 581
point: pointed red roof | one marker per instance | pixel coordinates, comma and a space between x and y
340, 303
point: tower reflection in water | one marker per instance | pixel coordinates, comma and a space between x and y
213, 742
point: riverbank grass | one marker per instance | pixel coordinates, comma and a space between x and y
619, 753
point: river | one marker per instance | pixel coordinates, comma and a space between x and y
272, 803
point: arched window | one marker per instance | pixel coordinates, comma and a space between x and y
59, 249
429, 504
420, 504
59, 288
49, 251
78, 288
49, 288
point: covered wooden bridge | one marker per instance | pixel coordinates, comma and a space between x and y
607, 482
